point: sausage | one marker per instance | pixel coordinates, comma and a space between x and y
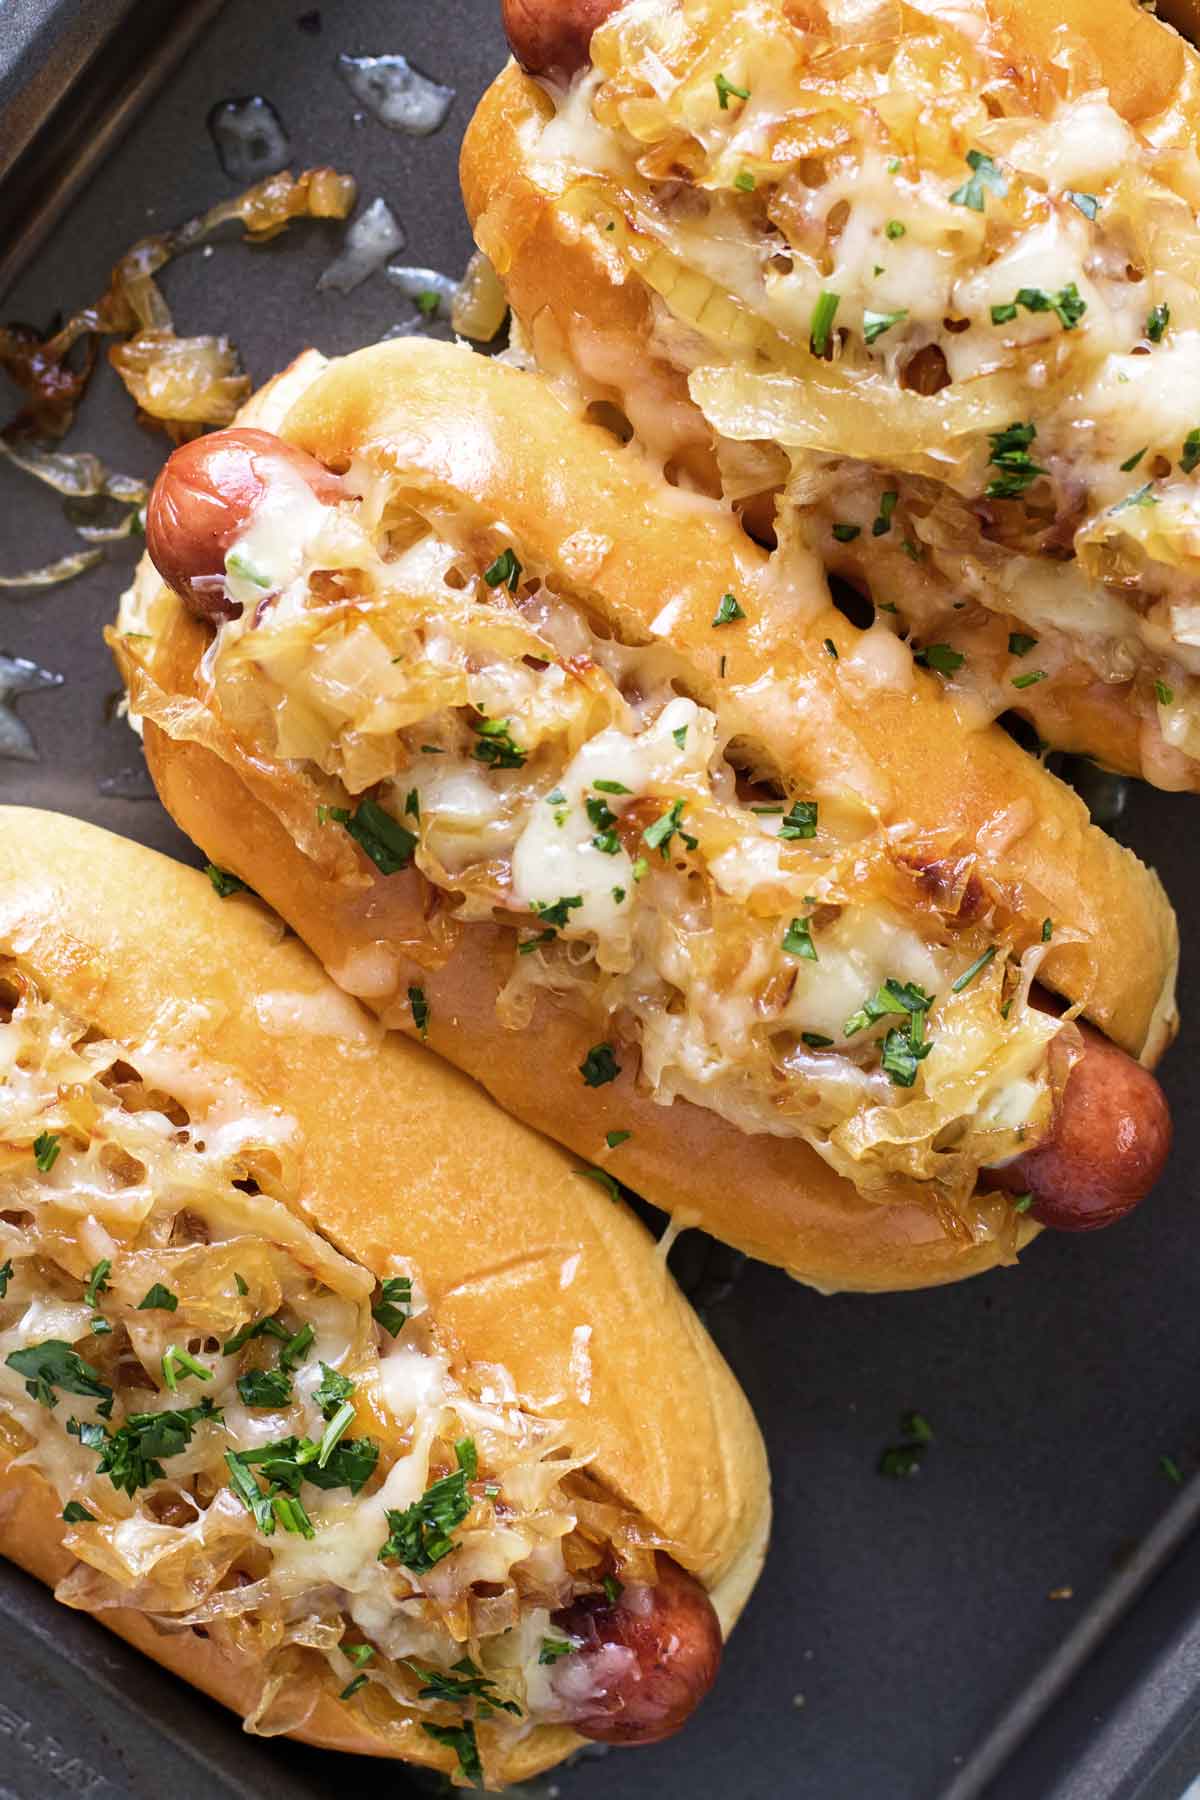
553, 37
643, 1664
203, 500
1107, 1145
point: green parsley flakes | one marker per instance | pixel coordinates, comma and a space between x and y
876, 323
727, 612
504, 572
725, 89
797, 940
984, 177
599, 1066
821, 328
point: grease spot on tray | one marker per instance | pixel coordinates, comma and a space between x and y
20, 676
250, 138
398, 95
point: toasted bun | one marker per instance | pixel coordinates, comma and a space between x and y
492, 444
400, 1154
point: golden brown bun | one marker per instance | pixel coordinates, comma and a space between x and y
589, 318
492, 444
401, 1155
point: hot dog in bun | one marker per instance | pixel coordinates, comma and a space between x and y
924, 276
688, 870
322, 1381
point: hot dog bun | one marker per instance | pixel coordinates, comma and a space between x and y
644, 280
521, 1261
482, 443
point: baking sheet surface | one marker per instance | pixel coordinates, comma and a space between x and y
895, 1618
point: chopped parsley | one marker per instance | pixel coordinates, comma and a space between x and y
846, 534
74, 1513
894, 229
744, 181
1047, 930
941, 657
393, 1309
528, 945
428, 302
97, 1283
612, 1589
556, 915
460, 1739
658, 836
504, 572
496, 745
1030, 679
290, 1461
1022, 1203
333, 1392
1171, 1470
389, 844
420, 1010
1010, 454
359, 1681
984, 175
613, 787
1020, 643
54, 1364
1163, 694
882, 523
603, 818
46, 1148
727, 612
419, 1537
815, 1040
223, 882
876, 323
175, 1359
412, 804
831, 649
1088, 204
976, 968
905, 1046
1068, 305
1191, 452
239, 1281
824, 313
1143, 496
613, 1138
797, 940
800, 821
464, 1682
603, 1179
158, 1299
131, 1457
1157, 320
6, 1275
599, 1066
265, 1387
725, 88
1131, 462
680, 735
553, 1650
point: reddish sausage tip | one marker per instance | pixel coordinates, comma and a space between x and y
553, 37
1107, 1146
643, 1664
202, 502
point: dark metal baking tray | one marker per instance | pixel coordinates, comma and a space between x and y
903, 1642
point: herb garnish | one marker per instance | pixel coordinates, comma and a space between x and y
130, 1456
46, 1149
504, 572
725, 88
984, 174
158, 1299
797, 940
54, 1364
420, 1010
419, 1537
496, 745
393, 1309
1010, 454
882, 523
727, 612
389, 844
968, 975
599, 1066
1157, 320
876, 323
824, 313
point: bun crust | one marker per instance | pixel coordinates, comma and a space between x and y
401, 1155
490, 444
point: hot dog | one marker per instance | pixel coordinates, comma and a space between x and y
893, 876
322, 1380
645, 1657
1107, 1146
553, 40
856, 290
